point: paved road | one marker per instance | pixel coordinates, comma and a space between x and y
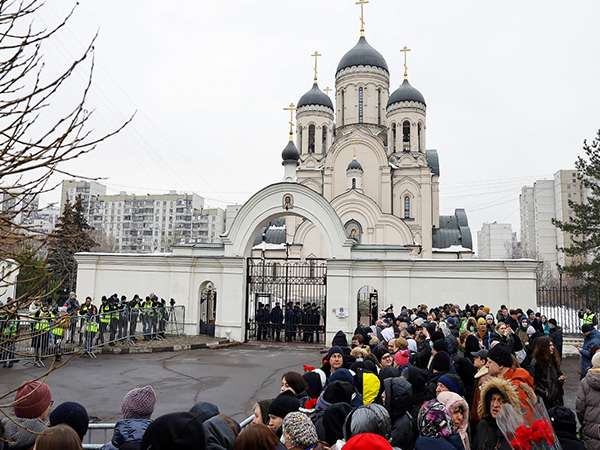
232, 378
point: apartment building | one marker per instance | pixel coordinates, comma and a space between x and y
495, 241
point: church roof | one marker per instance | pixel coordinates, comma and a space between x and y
354, 164
453, 230
406, 93
362, 54
290, 153
315, 97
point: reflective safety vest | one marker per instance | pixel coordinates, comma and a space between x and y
589, 318
105, 314
10, 327
91, 326
59, 326
147, 308
44, 323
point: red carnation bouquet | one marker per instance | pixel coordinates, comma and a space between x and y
307, 368
538, 436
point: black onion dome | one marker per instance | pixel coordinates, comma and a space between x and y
406, 93
315, 97
354, 164
290, 153
362, 54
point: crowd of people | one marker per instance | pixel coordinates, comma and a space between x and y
423, 379
50, 328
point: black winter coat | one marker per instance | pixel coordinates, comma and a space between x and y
489, 437
557, 338
398, 393
569, 441
546, 384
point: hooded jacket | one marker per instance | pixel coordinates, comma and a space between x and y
18, 437
588, 409
451, 401
398, 393
127, 430
488, 436
368, 385
218, 433
590, 340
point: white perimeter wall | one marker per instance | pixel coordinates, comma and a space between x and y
401, 282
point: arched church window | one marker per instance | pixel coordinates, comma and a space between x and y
394, 137
407, 207
353, 183
311, 139
343, 106
324, 140
300, 138
378, 106
419, 138
406, 135
274, 270
353, 230
360, 105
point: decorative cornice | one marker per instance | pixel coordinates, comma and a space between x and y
314, 108
362, 69
407, 104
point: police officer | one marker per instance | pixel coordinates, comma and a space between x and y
588, 316
276, 320
10, 329
105, 315
91, 328
83, 312
134, 314
41, 333
147, 313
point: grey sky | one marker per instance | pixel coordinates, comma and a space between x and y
511, 87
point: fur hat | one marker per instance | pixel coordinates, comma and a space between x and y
139, 403
32, 399
501, 386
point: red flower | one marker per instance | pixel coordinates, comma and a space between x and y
307, 368
310, 404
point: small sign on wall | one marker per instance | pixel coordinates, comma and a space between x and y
340, 312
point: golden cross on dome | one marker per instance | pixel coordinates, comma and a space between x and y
362, 22
291, 109
404, 50
327, 89
316, 55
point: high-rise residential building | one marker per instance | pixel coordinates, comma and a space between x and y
151, 222
73, 188
19, 208
496, 241
539, 204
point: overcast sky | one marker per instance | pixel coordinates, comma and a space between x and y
512, 88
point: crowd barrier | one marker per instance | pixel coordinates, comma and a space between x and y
48, 336
98, 433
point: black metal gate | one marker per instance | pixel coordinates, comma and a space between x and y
562, 305
286, 299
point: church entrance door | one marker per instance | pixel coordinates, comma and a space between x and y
286, 299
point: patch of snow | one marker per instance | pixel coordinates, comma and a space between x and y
393, 166
277, 227
268, 246
452, 249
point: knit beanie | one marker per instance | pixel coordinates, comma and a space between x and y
340, 339
338, 392
401, 357
440, 346
596, 361
32, 399
501, 355
489, 316
71, 414
341, 375
333, 350
437, 336
553, 322
480, 320
563, 419
586, 327
139, 403
264, 409
441, 362
300, 430
452, 382
175, 431
284, 403
367, 440
411, 330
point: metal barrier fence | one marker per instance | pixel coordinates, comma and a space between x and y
49, 335
561, 304
91, 438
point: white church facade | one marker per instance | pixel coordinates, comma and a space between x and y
360, 196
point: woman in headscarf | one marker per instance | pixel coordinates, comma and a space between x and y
459, 411
436, 428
